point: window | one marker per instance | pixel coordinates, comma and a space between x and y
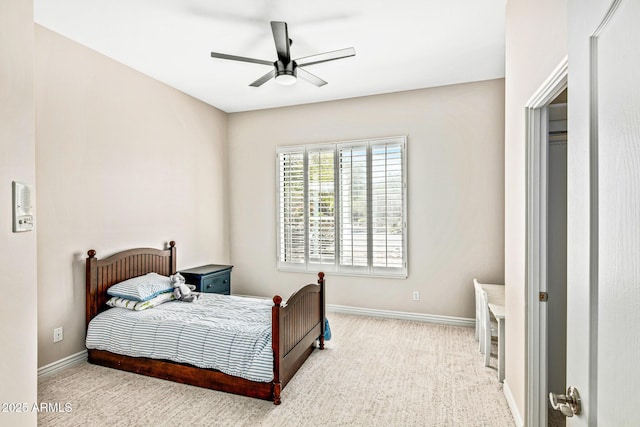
342, 207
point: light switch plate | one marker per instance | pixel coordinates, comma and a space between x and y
22, 207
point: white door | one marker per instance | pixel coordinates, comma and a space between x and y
603, 332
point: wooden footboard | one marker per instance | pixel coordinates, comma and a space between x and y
296, 326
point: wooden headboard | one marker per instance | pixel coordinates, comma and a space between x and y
102, 273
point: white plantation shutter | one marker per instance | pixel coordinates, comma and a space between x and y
321, 205
387, 205
342, 207
291, 212
354, 202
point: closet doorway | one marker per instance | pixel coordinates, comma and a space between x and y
557, 253
546, 236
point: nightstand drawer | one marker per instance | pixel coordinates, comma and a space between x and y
218, 283
211, 278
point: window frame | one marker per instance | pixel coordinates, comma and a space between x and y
336, 267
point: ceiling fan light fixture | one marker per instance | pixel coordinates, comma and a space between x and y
286, 79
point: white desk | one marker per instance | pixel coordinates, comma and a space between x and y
495, 296
497, 308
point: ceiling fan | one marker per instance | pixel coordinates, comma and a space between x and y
285, 70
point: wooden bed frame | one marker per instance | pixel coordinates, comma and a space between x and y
296, 326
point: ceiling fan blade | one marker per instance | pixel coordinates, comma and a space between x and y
240, 58
281, 38
327, 56
311, 78
262, 80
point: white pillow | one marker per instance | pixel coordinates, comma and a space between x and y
140, 305
141, 288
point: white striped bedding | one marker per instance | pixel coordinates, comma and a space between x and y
227, 333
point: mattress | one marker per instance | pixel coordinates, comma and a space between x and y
228, 333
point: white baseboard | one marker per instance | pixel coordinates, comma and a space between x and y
517, 417
55, 367
419, 317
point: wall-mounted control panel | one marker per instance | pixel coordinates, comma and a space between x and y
22, 207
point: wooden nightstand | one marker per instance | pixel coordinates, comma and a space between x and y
210, 278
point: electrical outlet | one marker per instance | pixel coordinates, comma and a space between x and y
416, 295
57, 334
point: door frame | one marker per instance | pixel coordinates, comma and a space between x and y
537, 139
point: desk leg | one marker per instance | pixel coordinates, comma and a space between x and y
501, 350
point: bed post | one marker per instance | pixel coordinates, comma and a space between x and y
91, 297
322, 309
173, 263
277, 350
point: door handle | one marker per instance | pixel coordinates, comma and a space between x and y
568, 404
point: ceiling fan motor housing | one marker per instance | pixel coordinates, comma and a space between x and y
288, 69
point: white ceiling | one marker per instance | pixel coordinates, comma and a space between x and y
400, 44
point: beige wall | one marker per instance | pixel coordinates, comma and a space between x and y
455, 193
536, 42
122, 161
18, 316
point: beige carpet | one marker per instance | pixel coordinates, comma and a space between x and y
374, 372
